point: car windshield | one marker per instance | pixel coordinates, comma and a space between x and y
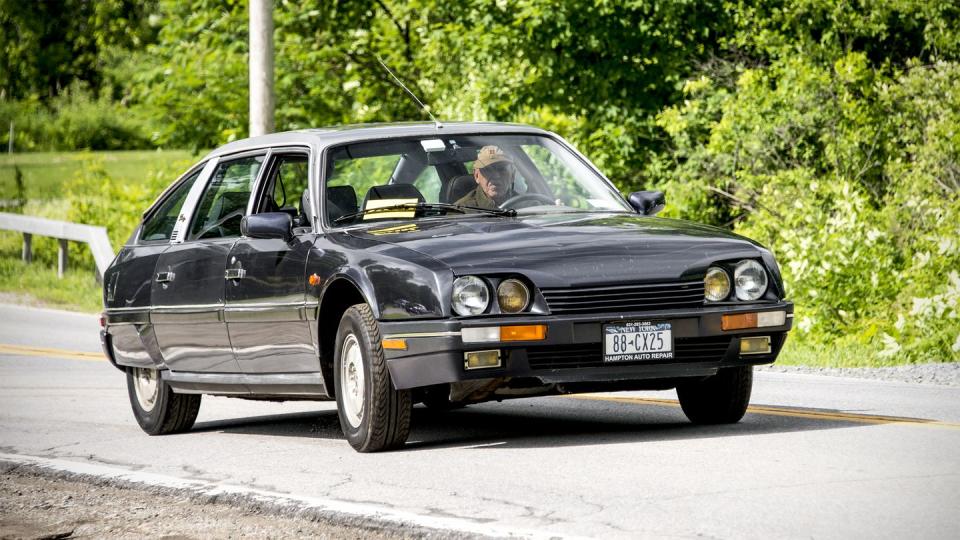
461, 176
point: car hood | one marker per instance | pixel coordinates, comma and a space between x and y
559, 250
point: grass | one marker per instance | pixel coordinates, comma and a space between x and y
44, 175
843, 352
44, 172
38, 283
797, 352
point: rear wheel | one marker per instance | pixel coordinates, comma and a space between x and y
156, 407
719, 399
373, 414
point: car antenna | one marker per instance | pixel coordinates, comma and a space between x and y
414, 96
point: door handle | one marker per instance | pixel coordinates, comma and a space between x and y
165, 277
235, 273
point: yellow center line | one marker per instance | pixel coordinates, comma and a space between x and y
787, 411
24, 350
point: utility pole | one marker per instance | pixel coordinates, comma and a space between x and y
261, 67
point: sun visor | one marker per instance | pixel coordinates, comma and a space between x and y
459, 155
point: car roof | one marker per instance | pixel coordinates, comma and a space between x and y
329, 136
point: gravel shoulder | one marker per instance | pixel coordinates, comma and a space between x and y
36, 504
938, 373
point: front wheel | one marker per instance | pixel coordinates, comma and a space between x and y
718, 399
373, 414
159, 410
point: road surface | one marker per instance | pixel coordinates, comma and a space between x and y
818, 457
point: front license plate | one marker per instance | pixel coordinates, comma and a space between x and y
639, 340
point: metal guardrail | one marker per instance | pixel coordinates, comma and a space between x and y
63, 231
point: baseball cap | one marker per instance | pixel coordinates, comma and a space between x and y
488, 155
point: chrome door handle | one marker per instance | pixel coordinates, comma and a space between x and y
165, 277
235, 273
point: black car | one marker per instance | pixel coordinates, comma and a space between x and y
387, 265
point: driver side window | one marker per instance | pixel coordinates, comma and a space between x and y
224, 201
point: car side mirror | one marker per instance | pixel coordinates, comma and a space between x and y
267, 225
647, 203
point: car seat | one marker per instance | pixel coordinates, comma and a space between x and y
459, 187
341, 200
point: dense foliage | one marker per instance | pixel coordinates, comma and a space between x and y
826, 130
836, 144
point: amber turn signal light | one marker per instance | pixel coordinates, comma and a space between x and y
738, 321
531, 332
395, 344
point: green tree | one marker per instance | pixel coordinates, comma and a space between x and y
46, 45
825, 134
581, 66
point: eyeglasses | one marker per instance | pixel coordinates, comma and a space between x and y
498, 171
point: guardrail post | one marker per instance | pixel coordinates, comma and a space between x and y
61, 258
27, 247
63, 231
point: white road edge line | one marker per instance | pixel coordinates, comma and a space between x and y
368, 513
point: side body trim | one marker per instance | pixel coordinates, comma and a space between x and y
294, 385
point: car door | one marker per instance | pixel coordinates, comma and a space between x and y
129, 280
188, 292
265, 312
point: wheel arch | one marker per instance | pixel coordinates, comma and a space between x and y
340, 293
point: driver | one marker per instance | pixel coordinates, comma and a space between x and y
494, 171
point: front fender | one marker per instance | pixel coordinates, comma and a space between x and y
396, 282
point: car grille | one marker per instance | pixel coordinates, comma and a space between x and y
706, 349
686, 294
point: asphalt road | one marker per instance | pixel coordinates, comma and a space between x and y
816, 457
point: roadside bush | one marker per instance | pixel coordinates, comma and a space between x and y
851, 174
74, 120
95, 198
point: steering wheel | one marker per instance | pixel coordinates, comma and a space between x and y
509, 203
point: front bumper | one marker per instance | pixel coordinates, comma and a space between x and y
573, 350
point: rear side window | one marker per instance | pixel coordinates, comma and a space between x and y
159, 226
224, 201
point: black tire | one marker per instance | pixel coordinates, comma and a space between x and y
381, 421
720, 399
169, 412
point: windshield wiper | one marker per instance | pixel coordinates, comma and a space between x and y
510, 212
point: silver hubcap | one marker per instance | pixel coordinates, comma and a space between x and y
146, 384
351, 380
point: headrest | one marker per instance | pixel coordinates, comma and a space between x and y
341, 200
393, 191
459, 187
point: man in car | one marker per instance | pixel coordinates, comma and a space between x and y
494, 171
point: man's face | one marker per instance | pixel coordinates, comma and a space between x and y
496, 180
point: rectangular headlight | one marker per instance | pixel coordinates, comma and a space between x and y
483, 334
493, 334
771, 318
